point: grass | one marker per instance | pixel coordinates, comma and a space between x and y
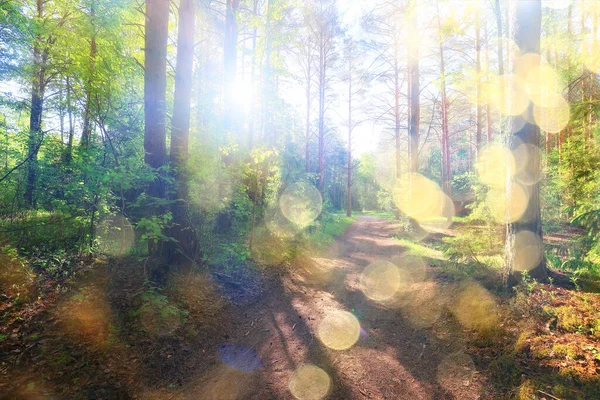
417, 249
370, 213
326, 230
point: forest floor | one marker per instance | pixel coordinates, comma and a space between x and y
415, 345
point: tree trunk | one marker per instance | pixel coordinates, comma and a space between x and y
526, 33
182, 230
155, 85
35, 116
414, 94
498, 12
230, 60
397, 94
86, 131
349, 183
479, 108
445, 145
322, 75
69, 151
308, 105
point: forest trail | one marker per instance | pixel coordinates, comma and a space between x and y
409, 348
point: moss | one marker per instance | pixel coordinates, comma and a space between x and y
540, 348
566, 350
522, 343
527, 391
506, 371
567, 318
490, 336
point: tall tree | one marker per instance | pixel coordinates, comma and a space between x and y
414, 92
445, 138
182, 231
38, 88
526, 31
384, 24
87, 128
230, 60
353, 77
324, 26
155, 86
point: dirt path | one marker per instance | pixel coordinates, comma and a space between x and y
323, 331
408, 348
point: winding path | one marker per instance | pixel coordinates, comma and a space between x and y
408, 348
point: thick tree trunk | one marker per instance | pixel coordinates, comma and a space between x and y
35, 116
182, 230
526, 33
155, 85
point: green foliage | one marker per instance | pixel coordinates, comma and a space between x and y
153, 227
157, 314
17, 280
324, 232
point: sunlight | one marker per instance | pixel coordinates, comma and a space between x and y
527, 158
309, 382
381, 280
422, 199
557, 4
301, 203
529, 250
115, 235
508, 204
339, 330
495, 163
475, 308
553, 119
510, 95
243, 94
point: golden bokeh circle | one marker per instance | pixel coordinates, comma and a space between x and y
309, 382
504, 209
553, 119
495, 165
529, 250
339, 330
381, 280
301, 203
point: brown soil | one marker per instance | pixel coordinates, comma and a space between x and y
411, 347
411, 351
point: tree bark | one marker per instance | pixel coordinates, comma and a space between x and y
349, 183
37, 106
86, 131
414, 93
155, 85
230, 60
308, 106
479, 108
182, 230
321, 144
526, 33
445, 145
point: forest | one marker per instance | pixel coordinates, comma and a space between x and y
299, 199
